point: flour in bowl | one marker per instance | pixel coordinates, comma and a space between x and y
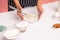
11, 34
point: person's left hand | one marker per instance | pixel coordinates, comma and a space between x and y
40, 10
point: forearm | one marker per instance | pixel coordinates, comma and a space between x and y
17, 4
39, 7
39, 2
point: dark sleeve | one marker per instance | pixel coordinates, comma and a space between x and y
26, 3
23, 3
11, 3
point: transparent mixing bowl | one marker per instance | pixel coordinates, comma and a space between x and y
30, 17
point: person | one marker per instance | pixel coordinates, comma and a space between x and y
26, 3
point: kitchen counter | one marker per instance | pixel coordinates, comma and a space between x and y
41, 30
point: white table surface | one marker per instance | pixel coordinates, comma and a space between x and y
41, 30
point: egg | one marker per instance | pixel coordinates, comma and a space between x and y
57, 14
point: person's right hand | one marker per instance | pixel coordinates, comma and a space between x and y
20, 15
19, 12
19, 7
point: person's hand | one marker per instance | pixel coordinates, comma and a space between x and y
19, 8
20, 15
19, 12
40, 10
